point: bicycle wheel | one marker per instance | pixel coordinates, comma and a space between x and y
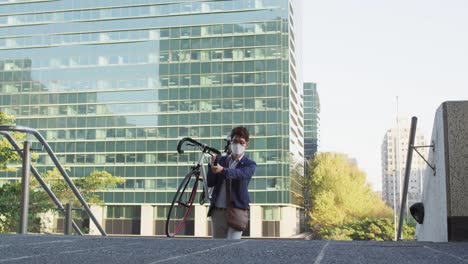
182, 204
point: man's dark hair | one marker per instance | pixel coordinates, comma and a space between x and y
240, 132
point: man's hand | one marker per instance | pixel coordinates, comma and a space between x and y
213, 159
217, 168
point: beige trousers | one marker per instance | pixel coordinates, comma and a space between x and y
220, 227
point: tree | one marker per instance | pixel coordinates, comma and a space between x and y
380, 229
6, 119
6, 152
339, 194
87, 186
297, 184
10, 207
40, 202
365, 229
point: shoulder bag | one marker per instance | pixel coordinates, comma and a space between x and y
236, 218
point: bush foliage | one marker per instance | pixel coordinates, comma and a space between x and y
343, 206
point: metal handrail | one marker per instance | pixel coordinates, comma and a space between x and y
39, 179
59, 166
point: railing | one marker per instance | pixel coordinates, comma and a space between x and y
4, 132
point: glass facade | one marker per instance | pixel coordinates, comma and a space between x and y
114, 84
311, 119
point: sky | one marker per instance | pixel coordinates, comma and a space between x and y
364, 54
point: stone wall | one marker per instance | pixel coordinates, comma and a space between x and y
445, 195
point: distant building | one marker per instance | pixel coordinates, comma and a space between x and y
394, 153
311, 119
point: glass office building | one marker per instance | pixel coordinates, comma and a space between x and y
311, 119
114, 84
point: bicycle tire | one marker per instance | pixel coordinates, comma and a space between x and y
182, 204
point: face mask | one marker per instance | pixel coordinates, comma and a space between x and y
237, 149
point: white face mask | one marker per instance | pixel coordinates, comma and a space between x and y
237, 149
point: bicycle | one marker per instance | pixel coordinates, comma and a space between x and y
187, 191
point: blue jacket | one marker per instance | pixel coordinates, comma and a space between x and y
240, 176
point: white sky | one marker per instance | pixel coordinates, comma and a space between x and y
364, 53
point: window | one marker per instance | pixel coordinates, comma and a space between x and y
271, 217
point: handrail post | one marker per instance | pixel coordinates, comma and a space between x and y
23, 229
409, 158
68, 219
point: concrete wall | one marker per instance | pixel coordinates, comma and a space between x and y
434, 227
288, 226
255, 221
288, 221
445, 194
48, 222
201, 221
147, 220
457, 169
98, 212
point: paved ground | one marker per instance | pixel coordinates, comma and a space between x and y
86, 249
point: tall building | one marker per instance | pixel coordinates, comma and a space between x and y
114, 84
311, 119
394, 153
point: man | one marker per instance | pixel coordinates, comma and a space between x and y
238, 169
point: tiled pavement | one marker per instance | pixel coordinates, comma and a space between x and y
93, 249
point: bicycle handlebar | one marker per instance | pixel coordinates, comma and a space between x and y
203, 147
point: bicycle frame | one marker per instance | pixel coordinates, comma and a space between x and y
197, 172
205, 152
201, 164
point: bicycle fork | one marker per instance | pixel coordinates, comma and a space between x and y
206, 194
